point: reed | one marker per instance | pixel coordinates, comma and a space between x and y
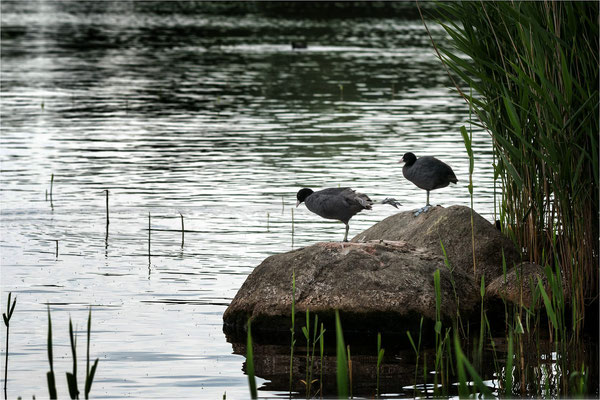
306, 332
380, 353
468, 139
50, 377
149, 238
72, 376
6, 317
250, 363
322, 352
534, 71
293, 329
508, 370
342, 362
462, 365
89, 373
56, 248
417, 350
182, 230
349, 370
107, 213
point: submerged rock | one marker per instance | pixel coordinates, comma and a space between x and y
377, 285
452, 227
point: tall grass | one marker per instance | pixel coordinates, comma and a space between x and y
533, 67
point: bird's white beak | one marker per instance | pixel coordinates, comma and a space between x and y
401, 160
297, 203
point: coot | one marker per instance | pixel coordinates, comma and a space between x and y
427, 173
335, 203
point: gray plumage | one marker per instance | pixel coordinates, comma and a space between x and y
335, 203
427, 173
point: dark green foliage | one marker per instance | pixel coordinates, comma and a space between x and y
533, 67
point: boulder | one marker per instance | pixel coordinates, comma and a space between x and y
451, 226
517, 287
379, 285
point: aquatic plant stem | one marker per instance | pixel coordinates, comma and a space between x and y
6, 316
107, 214
182, 230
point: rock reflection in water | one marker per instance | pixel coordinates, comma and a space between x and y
272, 362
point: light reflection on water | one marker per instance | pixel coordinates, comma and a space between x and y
170, 120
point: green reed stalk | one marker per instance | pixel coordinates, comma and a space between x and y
322, 351
250, 363
293, 329
7, 316
417, 350
349, 370
468, 139
50, 377
89, 373
380, 353
508, 371
481, 323
72, 376
463, 363
312, 356
342, 362
306, 332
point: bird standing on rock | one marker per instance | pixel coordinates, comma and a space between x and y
428, 173
335, 203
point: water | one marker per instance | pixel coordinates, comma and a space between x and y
213, 117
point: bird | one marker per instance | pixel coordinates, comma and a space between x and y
427, 173
335, 203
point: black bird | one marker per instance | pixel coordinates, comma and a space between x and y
335, 203
428, 173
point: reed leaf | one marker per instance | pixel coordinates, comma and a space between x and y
50, 374
250, 363
342, 362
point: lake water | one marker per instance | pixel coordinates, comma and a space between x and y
215, 118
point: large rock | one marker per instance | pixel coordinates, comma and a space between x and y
517, 287
377, 285
451, 226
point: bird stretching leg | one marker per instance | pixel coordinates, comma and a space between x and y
346, 235
391, 201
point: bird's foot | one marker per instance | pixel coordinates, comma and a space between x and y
423, 210
391, 201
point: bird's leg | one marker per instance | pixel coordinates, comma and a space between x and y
346, 235
424, 209
391, 201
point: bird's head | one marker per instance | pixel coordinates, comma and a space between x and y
302, 195
408, 158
